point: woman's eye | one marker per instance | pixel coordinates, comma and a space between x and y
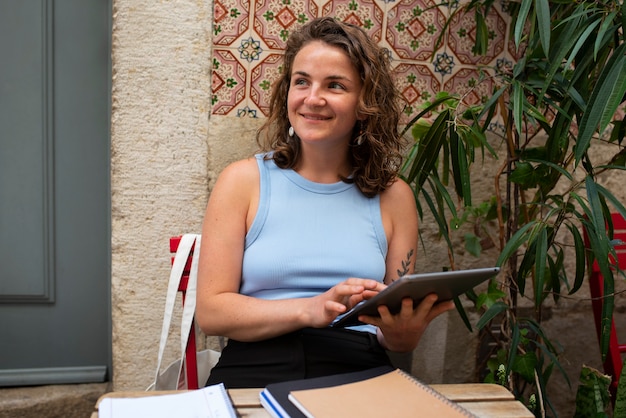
299, 82
336, 86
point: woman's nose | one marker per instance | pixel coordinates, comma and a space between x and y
315, 97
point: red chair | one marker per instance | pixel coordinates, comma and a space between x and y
613, 362
191, 362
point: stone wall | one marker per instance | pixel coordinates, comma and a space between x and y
159, 165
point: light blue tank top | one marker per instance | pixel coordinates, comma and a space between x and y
306, 237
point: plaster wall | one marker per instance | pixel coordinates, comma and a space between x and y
159, 148
166, 153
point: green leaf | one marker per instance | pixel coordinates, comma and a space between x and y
454, 160
580, 41
440, 98
442, 194
441, 223
525, 365
542, 8
592, 395
464, 174
579, 257
461, 310
567, 37
608, 21
491, 103
428, 151
621, 209
524, 175
554, 166
540, 265
472, 244
522, 16
481, 42
515, 242
600, 247
605, 98
491, 313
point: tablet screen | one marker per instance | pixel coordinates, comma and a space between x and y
446, 284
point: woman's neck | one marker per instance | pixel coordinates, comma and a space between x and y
323, 166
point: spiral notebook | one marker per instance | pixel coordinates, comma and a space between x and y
394, 394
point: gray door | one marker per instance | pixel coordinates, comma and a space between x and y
54, 191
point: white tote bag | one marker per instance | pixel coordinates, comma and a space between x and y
173, 377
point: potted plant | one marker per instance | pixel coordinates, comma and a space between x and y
559, 102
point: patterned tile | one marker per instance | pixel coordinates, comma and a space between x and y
249, 39
417, 84
462, 35
413, 28
262, 78
228, 82
275, 19
366, 14
230, 21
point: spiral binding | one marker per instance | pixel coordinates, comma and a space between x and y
436, 394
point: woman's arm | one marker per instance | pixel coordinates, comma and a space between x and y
220, 309
403, 331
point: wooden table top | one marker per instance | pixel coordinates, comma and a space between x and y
482, 399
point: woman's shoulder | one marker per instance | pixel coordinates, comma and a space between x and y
398, 195
240, 170
397, 189
238, 179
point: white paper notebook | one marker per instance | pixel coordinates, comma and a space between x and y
209, 402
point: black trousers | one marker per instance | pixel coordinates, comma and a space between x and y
303, 354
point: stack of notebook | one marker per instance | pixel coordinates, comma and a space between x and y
379, 392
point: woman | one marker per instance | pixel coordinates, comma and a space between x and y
317, 223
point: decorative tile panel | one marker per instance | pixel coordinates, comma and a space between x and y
250, 35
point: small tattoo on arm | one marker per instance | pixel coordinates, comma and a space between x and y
406, 264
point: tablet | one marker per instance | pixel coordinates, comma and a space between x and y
446, 284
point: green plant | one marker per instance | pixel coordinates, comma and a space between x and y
556, 105
592, 397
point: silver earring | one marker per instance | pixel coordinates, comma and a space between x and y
291, 132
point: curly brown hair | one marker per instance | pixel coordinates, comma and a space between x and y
376, 158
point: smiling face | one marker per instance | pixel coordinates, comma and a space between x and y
323, 95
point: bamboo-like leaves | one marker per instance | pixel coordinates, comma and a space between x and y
605, 98
460, 167
542, 8
428, 150
600, 248
521, 20
540, 265
572, 72
495, 309
579, 250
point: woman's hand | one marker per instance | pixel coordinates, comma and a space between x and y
324, 308
402, 332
